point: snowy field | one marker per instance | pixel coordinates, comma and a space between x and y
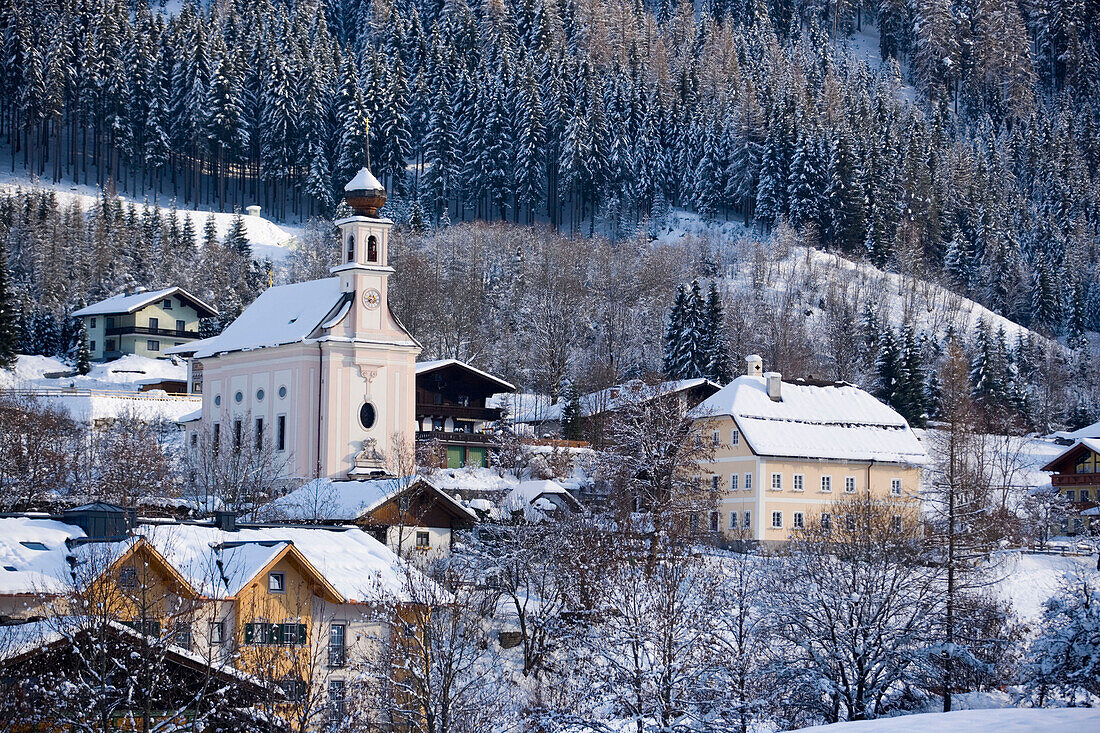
1008, 720
268, 240
1027, 580
110, 390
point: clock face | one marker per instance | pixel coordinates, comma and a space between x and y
372, 299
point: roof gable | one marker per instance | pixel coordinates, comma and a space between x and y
1068, 456
493, 384
131, 302
328, 500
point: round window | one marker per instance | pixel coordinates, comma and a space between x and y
217, 400
259, 395
366, 416
282, 393
238, 397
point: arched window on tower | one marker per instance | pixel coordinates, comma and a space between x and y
372, 249
351, 247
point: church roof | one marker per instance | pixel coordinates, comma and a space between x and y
281, 315
364, 180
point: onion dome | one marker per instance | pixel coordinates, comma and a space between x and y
364, 194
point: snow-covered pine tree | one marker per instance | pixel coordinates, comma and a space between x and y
674, 332
718, 367
9, 331
81, 355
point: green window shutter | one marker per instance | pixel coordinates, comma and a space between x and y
301, 633
278, 632
248, 633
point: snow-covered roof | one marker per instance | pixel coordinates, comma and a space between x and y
1089, 431
613, 398
130, 302
527, 493
281, 315
1092, 444
829, 422
364, 180
345, 501
34, 556
219, 563
426, 367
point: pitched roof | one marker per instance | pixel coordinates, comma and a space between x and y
427, 367
284, 314
34, 556
612, 398
130, 302
346, 501
527, 492
1089, 431
829, 422
1092, 444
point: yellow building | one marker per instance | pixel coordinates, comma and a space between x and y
1075, 474
784, 452
142, 322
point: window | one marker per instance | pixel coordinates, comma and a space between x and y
1084, 495
217, 400
714, 521
715, 483
280, 433
1071, 495
827, 484
194, 440
748, 520
259, 433
238, 397
777, 520
127, 577
237, 435
167, 304
716, 438
733, 520
109, 345
896, 522
146, 627
735, 437
733, 482
152, 345
181, 635
826, 522
777, 482
181, 326
850, 522
372, 249
895, 487
799, 520
336, 637
799, 482
260, 394
336, 698
423, 540
437, 424
351, 248
91, 345
110, 322
276, 582
217, 438
748, 482
217, 632
282, 393
292, 634
92, 324
849, 484
154, 323
293, 689
366, 416
262, 632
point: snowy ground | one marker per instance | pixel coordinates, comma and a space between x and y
111, 389
1027, 580
267, 238
1008, 720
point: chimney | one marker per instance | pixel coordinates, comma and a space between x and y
253, 210
225, 521
775, 382
754, 365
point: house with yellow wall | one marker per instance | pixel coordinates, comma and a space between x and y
143, 322
784, 452
1075, 475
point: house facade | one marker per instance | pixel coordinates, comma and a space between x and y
143, 322
452, 418
320, 371
1075, 474
785, 452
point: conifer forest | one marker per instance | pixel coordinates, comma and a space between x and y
964, 152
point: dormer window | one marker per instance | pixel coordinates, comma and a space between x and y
372, 249
351, 247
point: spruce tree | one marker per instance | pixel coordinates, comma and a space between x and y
674, 333
82, 355
9, 332
718, 366
571, 427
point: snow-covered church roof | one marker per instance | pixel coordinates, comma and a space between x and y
364, 180
824, 422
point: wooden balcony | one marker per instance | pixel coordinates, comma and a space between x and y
486, 414
146, 331
444, 437
1075, 479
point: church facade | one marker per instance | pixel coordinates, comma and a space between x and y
319, 374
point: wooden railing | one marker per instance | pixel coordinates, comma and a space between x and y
146, 331
444, 436
488, 414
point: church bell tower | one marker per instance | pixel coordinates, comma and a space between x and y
364, 269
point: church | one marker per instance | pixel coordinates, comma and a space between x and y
322, 369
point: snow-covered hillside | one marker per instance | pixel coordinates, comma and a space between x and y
268, 239
1008, 720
